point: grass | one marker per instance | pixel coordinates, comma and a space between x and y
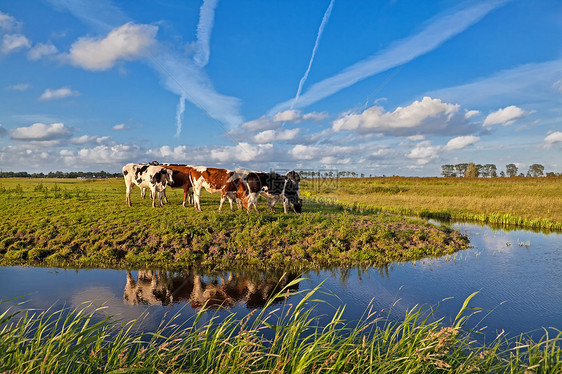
87, 224
285, 339
518, 202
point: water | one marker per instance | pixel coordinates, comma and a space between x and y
517, 273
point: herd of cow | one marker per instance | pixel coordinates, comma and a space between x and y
240, 186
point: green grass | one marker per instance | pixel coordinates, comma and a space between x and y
285, 339
534, 203
87, 224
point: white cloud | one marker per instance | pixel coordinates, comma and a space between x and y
57, 94
421, 117
89, 139
315, 152
461, 142
19, 87
204, 28
107, 154
242, 152
552, 139
471, 113
119, 127
8, 22
41, 132
14, 42
416, 138
424, 152
269, 136
296, 116
127, 42
437, 31
41, 50
505, 116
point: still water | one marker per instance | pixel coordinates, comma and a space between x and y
518, 275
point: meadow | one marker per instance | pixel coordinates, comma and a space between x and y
86, 223
276, 339
532, 203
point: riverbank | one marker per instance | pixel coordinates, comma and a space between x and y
277, 339
534, 203
87, 224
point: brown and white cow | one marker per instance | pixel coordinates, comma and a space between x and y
227, 182
182, 178
148, 176
273, 187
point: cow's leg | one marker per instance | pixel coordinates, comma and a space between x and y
197, 198
161, 195
223, 198
285, 203
128, 194
164, 197
184, 195
153, 195
143, 192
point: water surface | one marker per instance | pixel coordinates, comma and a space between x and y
517, 274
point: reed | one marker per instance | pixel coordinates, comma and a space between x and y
286, 339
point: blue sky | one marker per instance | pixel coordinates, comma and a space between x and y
377, 87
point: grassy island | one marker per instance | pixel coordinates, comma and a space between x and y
85, 223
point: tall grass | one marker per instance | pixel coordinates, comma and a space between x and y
286, 339
534, 203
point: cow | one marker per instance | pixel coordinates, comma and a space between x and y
182, 178
273, 187
148, 176
227, 182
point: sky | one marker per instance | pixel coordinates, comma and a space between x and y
377, 87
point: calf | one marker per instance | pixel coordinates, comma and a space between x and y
148, 176
227, 182
275, 187
182, 178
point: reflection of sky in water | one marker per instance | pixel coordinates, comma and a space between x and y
522, 283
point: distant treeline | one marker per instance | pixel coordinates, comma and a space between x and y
59, 174
473, 170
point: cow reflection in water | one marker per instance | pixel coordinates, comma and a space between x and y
164, 288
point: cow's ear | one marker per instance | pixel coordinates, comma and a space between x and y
174, 172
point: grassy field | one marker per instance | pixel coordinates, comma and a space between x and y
524, 202
277, 339
85, 223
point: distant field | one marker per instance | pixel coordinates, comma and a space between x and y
525, 202
85, 223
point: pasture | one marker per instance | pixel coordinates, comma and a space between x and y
534, 203
86, 223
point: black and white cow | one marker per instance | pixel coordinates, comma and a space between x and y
145, 176
273, 187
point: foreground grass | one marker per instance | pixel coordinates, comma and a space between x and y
87, 224
286, 339
524, 202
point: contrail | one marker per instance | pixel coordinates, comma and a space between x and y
204, 28
320, 31
179, 115
441, 29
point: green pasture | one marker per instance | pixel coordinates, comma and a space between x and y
534, 203
86, 223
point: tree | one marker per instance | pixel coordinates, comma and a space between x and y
472, 171
511, 170
502, 174
448, 171
461, 169
536, 170
489, 170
